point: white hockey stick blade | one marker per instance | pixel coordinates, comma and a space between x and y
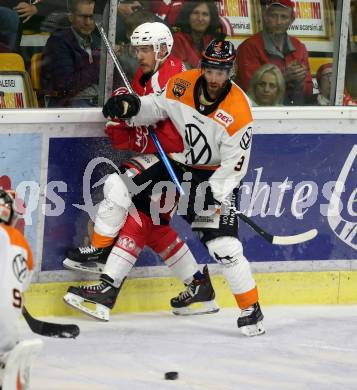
296, 239
198, 308
91, 267
100, 313
18, 364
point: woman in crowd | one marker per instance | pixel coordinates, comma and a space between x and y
197, 24
267, 86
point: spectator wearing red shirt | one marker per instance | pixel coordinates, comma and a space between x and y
274, 45
167, 10
198, 23
324, 78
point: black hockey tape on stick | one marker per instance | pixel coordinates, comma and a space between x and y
50, 329
153, 135
279, 240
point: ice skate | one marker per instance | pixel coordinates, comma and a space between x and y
250, 321
198, 298
87, 259
103, 295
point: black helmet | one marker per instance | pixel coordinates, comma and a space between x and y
219, 54
7, 211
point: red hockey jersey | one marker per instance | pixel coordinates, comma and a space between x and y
138, 139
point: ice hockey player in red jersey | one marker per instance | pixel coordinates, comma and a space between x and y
16, 266
214, 118
153, 43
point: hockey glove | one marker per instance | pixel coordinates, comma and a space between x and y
122, 106
124, 137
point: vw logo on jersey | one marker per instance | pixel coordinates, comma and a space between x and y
19, 267
246, 139
200, 151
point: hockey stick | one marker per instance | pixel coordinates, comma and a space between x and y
50, 329
156, 141
279, 240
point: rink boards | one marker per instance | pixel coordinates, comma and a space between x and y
55, 160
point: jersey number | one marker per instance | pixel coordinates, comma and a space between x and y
239, 166
17, 296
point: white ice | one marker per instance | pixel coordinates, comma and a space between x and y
305, 347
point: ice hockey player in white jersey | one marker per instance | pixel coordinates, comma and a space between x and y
16, 265
214, 118
118, 239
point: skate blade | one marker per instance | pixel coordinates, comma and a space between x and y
197, 308
253, 330
89, 266
100, 313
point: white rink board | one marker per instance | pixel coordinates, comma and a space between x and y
89, 123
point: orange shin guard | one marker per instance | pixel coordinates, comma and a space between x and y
247, 298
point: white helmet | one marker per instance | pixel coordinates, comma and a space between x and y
154, 34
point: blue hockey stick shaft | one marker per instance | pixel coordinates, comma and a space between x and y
165, 160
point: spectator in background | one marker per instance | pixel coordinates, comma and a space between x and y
324, 79
274, 45
167, 10
125, 9
198, 24
351, 78
9, 26
32, 13
267, 86
70, 70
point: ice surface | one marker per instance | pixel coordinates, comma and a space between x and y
305, 347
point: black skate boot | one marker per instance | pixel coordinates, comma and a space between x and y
102, 294
250, 321
88, 259
198, 298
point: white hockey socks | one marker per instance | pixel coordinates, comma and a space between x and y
183, 264
119, 264
228, 251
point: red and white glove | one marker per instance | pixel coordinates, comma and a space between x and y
120, 91
124, 137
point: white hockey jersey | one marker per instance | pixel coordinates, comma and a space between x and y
16, 266
218, 139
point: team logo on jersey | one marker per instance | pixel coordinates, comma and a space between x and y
141, 138
126, 243
246, 139
200, 151
19, 267
224, 118
180, 87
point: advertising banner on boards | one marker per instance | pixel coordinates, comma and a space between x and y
20, 169
290, 188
